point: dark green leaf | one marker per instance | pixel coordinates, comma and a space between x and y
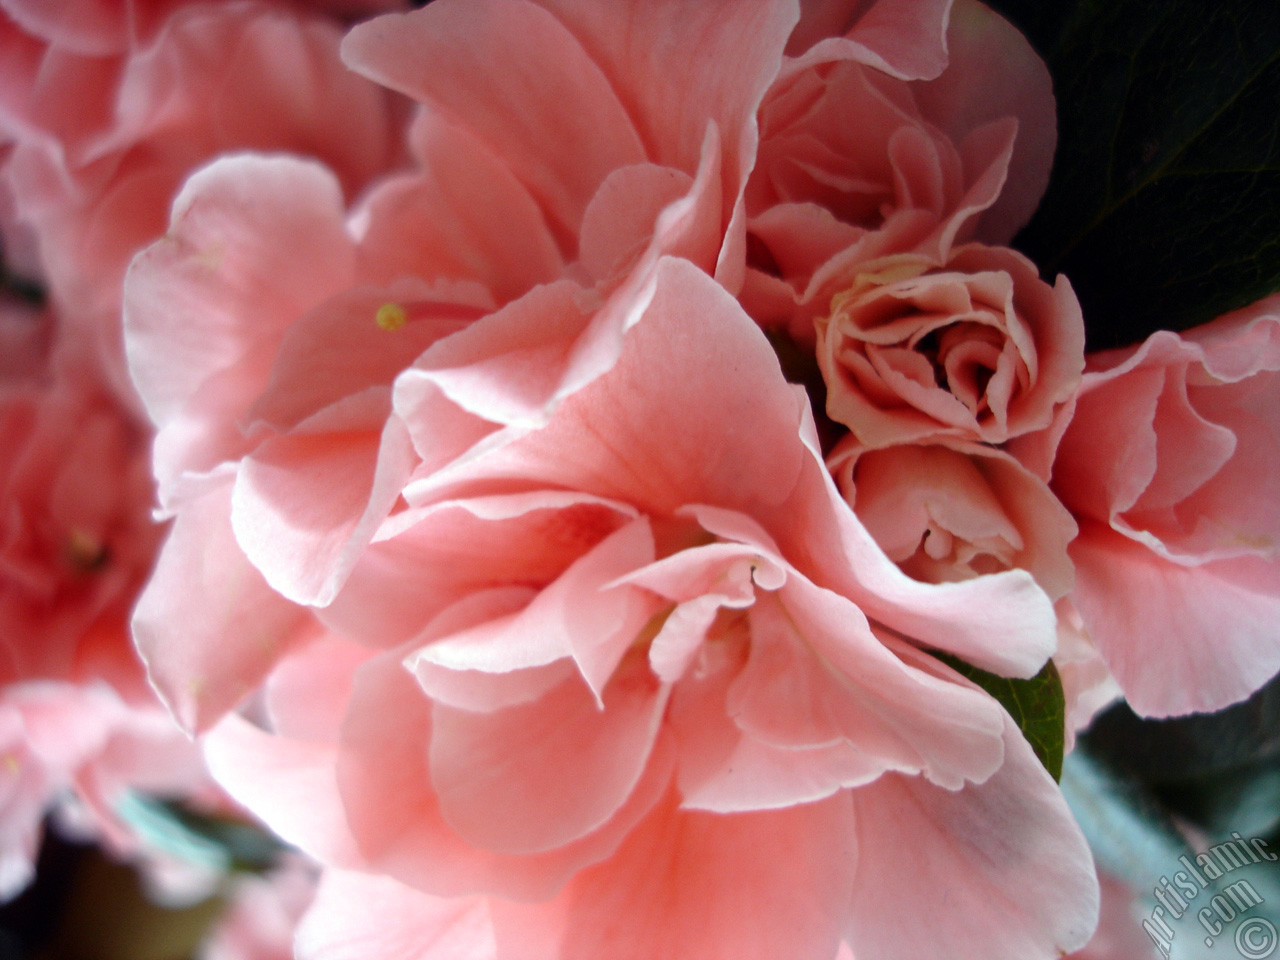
1037, 705
1164, 205
1183, 748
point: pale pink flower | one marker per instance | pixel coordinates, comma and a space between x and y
564, 644
912, 126
954, 510
77, 541
77, 750
262, 914
264, 331
978, 348
101, 143
1169, 466
636, 683
76, 537
46, 731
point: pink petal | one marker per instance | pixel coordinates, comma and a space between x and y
753, 886
537, 776
307, 503
672, 96
508, 367
290, 785
974, 492
339, 349
1002, 865
431, 557
583, 615
1106, 467
307, 693
461, 214
993, 73
1222, 517
1002, 622
386, 785
909, 715
356, 916
620, 219
695, 350
89, 27
904, 38
1179, 639
207, 625
254, 243
724, 770
465, 629
443, 55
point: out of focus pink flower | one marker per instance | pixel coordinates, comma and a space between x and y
102, 141
77, 541
263, 913
1120, 935
101, 28
1169, 466
640, 679
76, 537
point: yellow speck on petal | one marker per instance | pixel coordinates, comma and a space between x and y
893, 273
391, 317
879, 273
11, 764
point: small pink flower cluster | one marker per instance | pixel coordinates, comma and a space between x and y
507, 575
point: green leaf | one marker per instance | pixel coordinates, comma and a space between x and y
1038, 706
1164, 205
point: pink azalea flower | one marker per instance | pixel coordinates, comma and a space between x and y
637, 684
102, 140
563, 641
262, 915
264, 331
916, 128
76, 544
897, 154
98, 29
978, 348
1168, 464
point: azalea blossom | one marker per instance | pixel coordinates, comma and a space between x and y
264, 332
81, 727
495, 504
569, 657
1168, 463
110, 107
